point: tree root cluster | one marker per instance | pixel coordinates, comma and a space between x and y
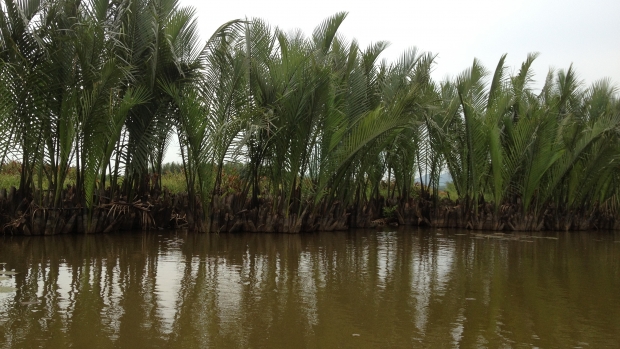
232, 213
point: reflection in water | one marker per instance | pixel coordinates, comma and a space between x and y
405, 288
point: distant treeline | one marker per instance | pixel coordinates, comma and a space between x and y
311, 126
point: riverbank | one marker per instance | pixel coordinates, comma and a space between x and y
162, 209
284, 131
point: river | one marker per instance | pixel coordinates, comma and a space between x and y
400, 288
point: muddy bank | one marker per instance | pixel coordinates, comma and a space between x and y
34, 215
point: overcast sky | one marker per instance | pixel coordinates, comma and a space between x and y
585, 33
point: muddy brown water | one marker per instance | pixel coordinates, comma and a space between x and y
404, 288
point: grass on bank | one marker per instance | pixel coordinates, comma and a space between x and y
173, 179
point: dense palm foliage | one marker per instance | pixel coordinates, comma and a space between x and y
82, 86
538, 157
321, 134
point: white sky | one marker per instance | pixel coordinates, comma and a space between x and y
585, 33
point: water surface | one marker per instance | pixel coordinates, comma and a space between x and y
406, 288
